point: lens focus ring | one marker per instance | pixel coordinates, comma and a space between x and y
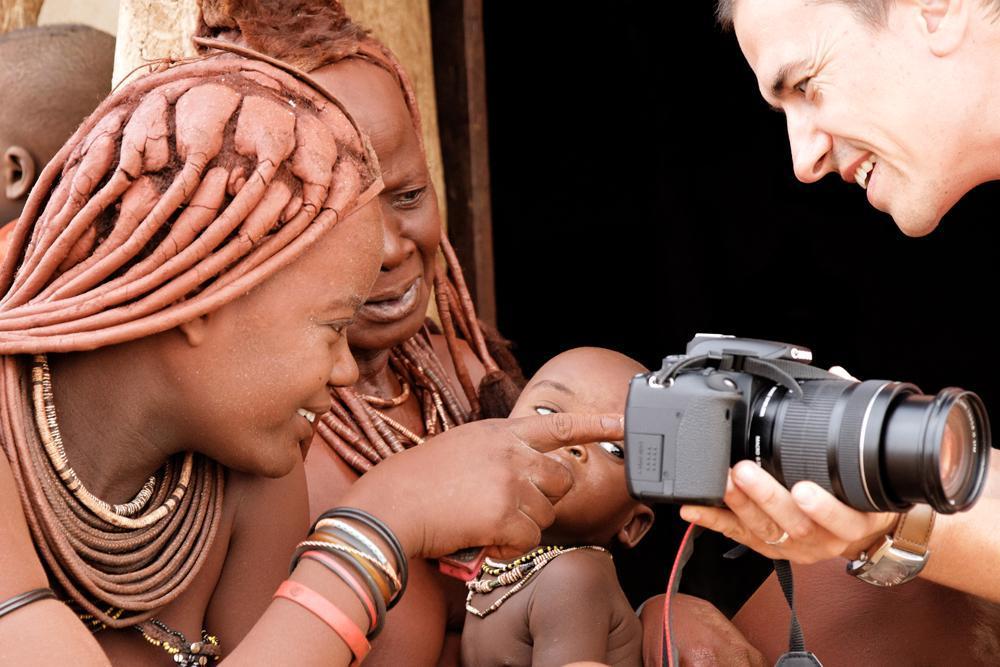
802, 433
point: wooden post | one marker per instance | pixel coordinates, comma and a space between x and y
460, 69
153, 29
405, 27
15, 14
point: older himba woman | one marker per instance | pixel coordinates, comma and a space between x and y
413, 383
175, 304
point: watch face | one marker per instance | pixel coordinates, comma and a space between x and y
889, 567
888, 572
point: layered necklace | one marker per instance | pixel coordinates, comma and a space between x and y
358, 429
117, 564
515, 574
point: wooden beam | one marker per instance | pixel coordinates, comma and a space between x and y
460, 75
152, 29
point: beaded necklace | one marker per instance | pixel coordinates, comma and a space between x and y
185, 653
517, 574
115, 564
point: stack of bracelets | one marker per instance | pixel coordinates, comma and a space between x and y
348, 553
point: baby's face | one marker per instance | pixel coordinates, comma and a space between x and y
595, 381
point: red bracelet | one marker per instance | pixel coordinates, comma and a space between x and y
349, 578
327, 612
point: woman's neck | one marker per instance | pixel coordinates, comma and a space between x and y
106, 413
375, 377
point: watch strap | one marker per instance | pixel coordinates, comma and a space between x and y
913, 531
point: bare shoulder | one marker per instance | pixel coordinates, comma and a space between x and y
476, 368
579, 575
20, 569
271, 517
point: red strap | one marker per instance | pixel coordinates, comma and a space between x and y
349, 578
327, 612
667, 656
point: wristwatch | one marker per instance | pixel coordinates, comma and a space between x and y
900, 557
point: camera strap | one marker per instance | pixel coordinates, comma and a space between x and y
797, 655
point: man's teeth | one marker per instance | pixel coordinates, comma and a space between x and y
311, 416
864, 171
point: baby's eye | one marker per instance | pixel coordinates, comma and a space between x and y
542, 410
613, 449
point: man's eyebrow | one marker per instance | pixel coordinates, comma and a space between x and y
558, 386
780, 84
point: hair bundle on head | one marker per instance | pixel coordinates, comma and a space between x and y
181, 192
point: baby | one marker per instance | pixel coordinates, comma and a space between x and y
561, 602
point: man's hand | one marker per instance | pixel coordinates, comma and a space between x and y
761, 511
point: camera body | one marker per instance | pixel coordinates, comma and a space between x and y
876, 445
681, 432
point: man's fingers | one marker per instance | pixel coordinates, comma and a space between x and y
770, 498
845, 522
547, 432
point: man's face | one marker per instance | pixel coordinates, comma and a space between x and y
876, 105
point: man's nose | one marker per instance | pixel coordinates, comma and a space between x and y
811, 148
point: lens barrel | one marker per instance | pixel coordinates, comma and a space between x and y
875, 445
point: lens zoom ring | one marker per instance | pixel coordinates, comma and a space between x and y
803, 433
849, 440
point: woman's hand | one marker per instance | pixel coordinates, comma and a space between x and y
487, 483
761, 511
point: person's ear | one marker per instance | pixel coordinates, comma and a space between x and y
195, 331
943, 23
638, 524
19, 172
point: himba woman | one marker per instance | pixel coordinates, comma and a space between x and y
413, 383
175, 303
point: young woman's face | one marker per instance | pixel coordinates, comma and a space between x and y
253, 375
396, 308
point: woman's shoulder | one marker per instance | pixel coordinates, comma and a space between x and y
20, 569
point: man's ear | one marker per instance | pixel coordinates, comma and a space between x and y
195, 331
638, 524
943, 23
18, 172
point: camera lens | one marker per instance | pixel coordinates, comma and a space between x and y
876, 445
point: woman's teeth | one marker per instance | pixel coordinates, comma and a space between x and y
310, 416
864, 172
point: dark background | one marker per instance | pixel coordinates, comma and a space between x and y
643, 192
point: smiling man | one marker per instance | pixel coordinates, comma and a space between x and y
901, 97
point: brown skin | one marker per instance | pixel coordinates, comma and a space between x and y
577, 611
704, 637
412, 231
138, 400
574, 609
186, 390
848, 622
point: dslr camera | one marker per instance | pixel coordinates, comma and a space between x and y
876, 445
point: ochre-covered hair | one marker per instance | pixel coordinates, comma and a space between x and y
181, 192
